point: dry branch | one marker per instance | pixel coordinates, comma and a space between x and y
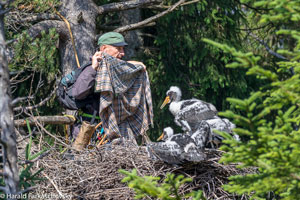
125, 5
38, 17
45, 120
41, 103
59, 26
149, 20
111, 28
267, 47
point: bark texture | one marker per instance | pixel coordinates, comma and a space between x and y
133, 38
45, 120
8, 136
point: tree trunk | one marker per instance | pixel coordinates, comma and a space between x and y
133, 38
8, 136
82, 17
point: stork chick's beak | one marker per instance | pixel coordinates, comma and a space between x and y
166, 101
161, 137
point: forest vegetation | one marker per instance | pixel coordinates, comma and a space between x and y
240, 55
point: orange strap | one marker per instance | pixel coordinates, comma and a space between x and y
98, 125
101, 142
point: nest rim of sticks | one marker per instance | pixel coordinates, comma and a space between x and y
93, 174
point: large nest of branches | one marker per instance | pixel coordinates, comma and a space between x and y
93, 174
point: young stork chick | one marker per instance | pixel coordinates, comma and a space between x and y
188, 113
176, 149
220, 124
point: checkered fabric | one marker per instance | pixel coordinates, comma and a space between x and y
125, 97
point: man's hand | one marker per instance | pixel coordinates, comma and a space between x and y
96, 59
137, 63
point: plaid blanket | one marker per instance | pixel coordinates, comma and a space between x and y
125, 97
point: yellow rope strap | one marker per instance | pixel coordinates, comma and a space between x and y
71, 35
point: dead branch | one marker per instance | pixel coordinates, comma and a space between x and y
111, 28
41, 103
60, 27
267, 47
19, 99
52, 182
150, 19
45, 120
39, 17
125, 5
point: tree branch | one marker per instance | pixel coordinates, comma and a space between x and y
111, 28
60, 26
37, 105
126, 5
55, 186
3, 3
37, 123
45, 120
267, 47
3, 12
3, 174
4, 189
39, 17
150, 19
19, 99
164, 7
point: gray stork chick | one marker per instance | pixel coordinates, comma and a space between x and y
176, 149
220, 124
188, 113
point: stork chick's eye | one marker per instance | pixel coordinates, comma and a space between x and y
172, 95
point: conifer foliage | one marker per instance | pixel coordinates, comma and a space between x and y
269, 119
168, 190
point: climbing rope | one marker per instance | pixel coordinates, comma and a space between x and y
71, 35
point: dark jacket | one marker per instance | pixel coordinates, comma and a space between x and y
85, 83
84, 87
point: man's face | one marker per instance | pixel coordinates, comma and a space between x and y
117, 52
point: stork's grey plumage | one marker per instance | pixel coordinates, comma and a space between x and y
201, 134
188, 113
176, 149
220, 124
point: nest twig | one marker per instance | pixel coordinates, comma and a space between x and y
93, 174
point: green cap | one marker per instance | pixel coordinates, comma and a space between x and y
112, 38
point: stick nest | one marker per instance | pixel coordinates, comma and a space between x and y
93, 174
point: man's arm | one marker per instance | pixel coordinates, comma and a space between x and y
137, 63
84, 84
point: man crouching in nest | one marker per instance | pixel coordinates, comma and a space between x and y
125, 103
